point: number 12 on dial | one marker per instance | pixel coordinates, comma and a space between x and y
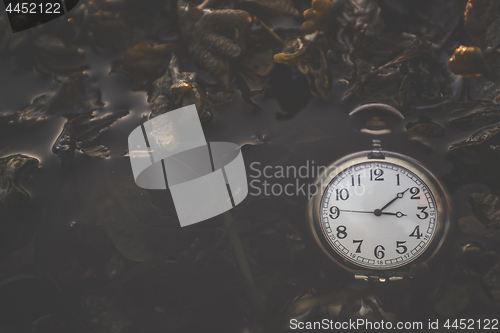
400, 215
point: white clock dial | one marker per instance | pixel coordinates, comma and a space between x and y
378, 215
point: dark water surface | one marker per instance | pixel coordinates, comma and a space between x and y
92, 252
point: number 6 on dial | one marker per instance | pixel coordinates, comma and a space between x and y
402, 217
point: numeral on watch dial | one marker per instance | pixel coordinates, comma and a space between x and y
388, 221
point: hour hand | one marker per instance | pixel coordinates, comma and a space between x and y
397, 214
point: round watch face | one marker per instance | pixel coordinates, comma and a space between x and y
379, 214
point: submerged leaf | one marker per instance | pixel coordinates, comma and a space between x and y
419, 272
16, 214
114, 203
472, 62
280, 7
409, 76
56, 46
453, 300
470, 225
475, 260
424, 130
456, 125
102, 314
104, 29
212, 37
467, 61
310, 60
318, 17
486, 208
17, 278
73, 96
293, 52
13, 196
262, 64
144, 61
354, 18
477, 17
491, 282
478, 137
176, 89
81, 133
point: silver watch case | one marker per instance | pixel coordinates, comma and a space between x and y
443, 203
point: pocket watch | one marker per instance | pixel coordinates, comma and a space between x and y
378, 212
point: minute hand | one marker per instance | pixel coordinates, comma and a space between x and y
398, 196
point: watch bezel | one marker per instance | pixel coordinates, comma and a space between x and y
441, 197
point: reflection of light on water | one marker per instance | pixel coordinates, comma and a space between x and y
166, 134
139, 154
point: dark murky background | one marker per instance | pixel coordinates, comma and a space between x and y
82, 249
